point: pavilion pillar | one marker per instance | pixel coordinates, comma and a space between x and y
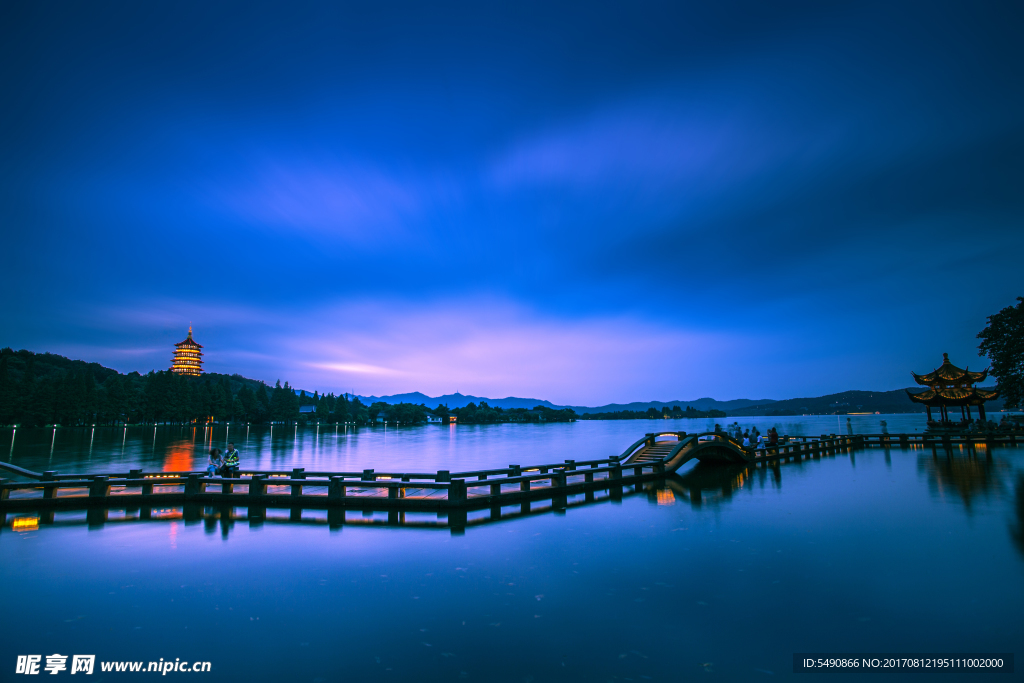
981, 411
968, 407
963, 416
929, 409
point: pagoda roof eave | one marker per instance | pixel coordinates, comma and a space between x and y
947, 372
954, 397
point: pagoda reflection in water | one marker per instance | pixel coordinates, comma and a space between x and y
964, 474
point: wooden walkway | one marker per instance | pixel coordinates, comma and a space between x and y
649, 458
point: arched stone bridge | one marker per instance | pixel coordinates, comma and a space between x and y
674, 449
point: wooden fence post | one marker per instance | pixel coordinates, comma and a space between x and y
99, 487
558, 478
443, 475
457, 492
336, 489
616, 468
368, 475
49, 491
193, 487
298, 473
258, 485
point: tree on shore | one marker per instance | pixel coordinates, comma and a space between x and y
1003, 342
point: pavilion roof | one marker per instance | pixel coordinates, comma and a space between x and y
954, 396
947, 373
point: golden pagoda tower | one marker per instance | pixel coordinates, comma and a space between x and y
188, 359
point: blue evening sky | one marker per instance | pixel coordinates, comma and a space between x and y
586, 202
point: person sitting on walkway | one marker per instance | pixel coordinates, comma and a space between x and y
230, 468
214, 462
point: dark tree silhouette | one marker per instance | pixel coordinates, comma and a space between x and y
1003, 342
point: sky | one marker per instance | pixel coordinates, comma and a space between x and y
581, 202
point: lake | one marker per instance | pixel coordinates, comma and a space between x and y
716, 573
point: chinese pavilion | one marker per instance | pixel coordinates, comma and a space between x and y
188, 359
948, 386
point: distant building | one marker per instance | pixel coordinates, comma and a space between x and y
188, 358
434, 419
307, 410
382, 416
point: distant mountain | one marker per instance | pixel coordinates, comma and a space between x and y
458, 400
703, 404
844, 402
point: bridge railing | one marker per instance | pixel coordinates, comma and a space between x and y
300, 472
193, 485
455, 486
649, 439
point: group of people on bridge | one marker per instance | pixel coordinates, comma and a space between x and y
225, 465
751, 438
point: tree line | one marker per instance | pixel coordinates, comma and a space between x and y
42, 389
485, 414
673, 413
412, 414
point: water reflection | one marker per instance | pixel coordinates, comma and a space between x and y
225, 517
179, 457
966, 474
714, 484
1017, 528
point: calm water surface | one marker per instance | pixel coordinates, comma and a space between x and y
718, 574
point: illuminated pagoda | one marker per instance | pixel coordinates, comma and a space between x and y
188, 358
948, 386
